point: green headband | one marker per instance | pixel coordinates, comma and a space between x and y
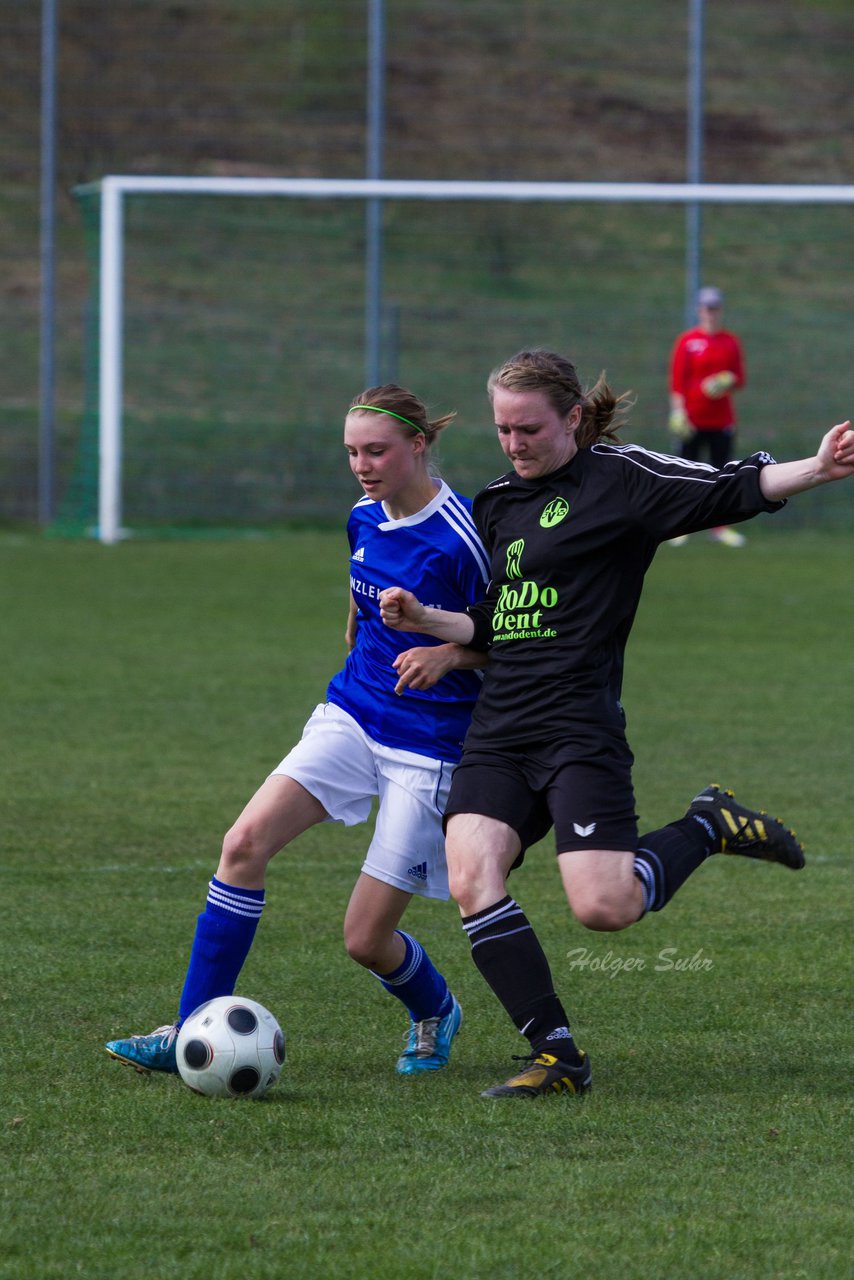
375, 409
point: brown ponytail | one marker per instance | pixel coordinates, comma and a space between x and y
602, 413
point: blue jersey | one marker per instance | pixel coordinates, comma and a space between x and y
437, 555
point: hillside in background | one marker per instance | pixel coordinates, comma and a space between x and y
548, 89
509, 89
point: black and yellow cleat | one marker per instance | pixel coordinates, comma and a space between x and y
544, 1074
749, 832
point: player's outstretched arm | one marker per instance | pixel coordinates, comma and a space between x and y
422, 667
400, 610
833, 461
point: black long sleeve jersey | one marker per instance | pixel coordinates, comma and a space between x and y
568, 556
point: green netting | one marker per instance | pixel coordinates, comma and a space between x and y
245, 337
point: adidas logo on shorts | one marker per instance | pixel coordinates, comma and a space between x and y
419, 871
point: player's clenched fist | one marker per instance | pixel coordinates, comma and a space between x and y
400, 610
842, 438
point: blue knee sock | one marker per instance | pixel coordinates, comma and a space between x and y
417, 983
224, 934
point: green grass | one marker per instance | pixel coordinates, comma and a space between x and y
148, 688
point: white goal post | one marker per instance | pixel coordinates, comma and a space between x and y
114, 189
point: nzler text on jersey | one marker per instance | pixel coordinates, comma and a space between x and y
360, 588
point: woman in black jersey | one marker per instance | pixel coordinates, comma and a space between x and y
570, 532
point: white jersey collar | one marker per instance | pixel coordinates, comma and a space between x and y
442, 495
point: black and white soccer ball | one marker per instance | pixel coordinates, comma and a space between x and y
230, 1047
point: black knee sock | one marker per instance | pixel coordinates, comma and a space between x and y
510, 959
666, 858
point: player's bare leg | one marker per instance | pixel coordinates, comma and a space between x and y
602, 889
374, 911
405, 970
280, 810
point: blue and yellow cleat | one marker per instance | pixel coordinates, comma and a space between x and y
428, 1045
154, 1052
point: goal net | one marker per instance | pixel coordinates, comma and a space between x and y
227, 330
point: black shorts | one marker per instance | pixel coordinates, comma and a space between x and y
718, 444
581, 786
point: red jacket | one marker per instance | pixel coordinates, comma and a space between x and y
696, 355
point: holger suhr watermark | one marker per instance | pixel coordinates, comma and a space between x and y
668, 960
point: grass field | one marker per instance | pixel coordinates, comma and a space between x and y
148, 689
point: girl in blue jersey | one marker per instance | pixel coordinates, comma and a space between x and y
392, 727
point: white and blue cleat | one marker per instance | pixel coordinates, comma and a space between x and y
154, 1052
428, 1044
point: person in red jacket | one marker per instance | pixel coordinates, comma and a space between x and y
706, 367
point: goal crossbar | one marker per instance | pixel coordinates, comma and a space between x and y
113, 189
418, 189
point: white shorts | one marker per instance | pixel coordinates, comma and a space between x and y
345, 769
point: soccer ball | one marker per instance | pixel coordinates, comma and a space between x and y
230, 1048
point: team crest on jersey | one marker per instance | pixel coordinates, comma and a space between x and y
554, 512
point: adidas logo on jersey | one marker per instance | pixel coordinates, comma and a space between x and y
419, 871
359, 555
